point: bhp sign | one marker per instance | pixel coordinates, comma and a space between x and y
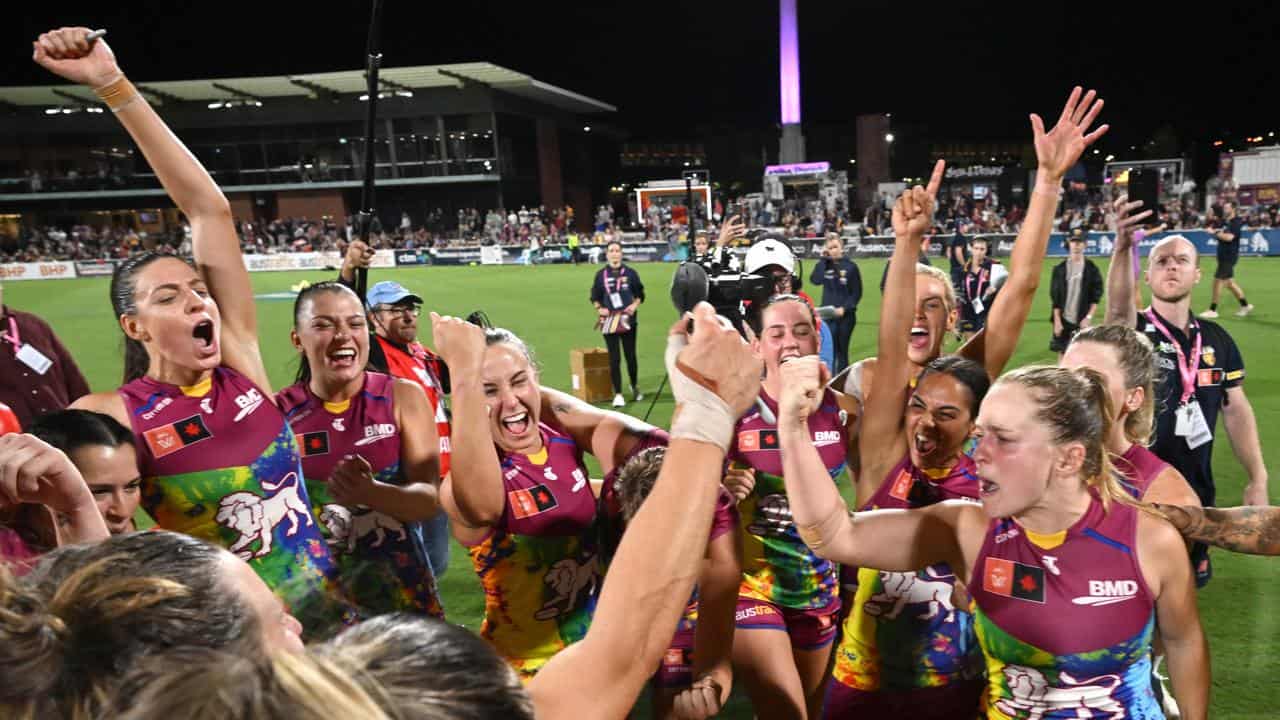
37, 271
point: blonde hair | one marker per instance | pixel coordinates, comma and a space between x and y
1137, 360
1076, 407
948, 290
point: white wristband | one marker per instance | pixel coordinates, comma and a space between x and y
702, 415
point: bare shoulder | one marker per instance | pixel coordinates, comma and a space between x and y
1171, 488
407, 390
107, 403
1160, 548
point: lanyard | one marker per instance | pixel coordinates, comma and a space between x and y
12, 336
982, 280
1186, 367
617, 280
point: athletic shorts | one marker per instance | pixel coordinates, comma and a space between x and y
809, 629
1059, 343
1226, 267
676, 670
957, 701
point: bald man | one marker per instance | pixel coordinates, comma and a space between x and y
1201, 371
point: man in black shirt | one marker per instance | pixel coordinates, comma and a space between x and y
957, 253
1201, 371
1229, 238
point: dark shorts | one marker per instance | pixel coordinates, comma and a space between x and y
1226, 269
1059, 343
676, 670
958, 701
809, 629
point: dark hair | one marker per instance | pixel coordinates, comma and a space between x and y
70, 430
429, 669
305, 296
500, 336
757, 319
967, 372
611, 243
636, 479
87, 613
124, 285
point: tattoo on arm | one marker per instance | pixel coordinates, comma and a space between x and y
1248, 529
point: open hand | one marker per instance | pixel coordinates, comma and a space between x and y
1061, 147
1123, 218
65, 53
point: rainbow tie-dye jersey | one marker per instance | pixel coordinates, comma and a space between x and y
539, 566
912, 631
382, 562
777, 567
1066, 621
219, 462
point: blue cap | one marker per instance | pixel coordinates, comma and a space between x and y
388, 292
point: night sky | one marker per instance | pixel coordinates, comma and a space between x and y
966, 69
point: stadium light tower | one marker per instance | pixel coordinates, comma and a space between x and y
791, 147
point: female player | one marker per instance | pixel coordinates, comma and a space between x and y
217, 459
908, 646
1126, 359
1068, 578
370, 455
518, 495
936, 309
784, 585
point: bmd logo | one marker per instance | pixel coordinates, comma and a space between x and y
1108, 592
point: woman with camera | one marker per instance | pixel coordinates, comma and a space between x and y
616, 293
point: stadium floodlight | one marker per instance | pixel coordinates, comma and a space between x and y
215, 105
364, 98
52, 111
888, 137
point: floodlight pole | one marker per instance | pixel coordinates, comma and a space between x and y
366, 213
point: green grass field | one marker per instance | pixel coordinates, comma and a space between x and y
547, 306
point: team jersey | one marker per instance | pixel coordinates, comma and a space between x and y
538, 566
777, 567
219, 462
911, 630
1140, 468
382, 562
1066, 620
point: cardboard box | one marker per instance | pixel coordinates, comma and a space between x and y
589, 374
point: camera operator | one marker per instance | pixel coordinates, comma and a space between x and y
616, 293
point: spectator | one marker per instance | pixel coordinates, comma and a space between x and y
1074, 291
616, 294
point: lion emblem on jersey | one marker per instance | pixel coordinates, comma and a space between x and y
255, 517
923, 588
1033, 696
346, 528
568, 580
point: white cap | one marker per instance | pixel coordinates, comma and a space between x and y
769, 252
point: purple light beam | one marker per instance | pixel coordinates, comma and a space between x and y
789, 61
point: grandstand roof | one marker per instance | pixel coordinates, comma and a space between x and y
345, 82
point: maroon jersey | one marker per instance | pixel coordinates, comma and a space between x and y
382, 562
1140, 467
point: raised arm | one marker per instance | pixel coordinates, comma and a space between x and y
216, 246
1250, 529
473, 493
1056, 151
880, 439
610, 435
1120, 281
714, 379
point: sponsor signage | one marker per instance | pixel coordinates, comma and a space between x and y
311, 261
812, 168
95, 268
37, 271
